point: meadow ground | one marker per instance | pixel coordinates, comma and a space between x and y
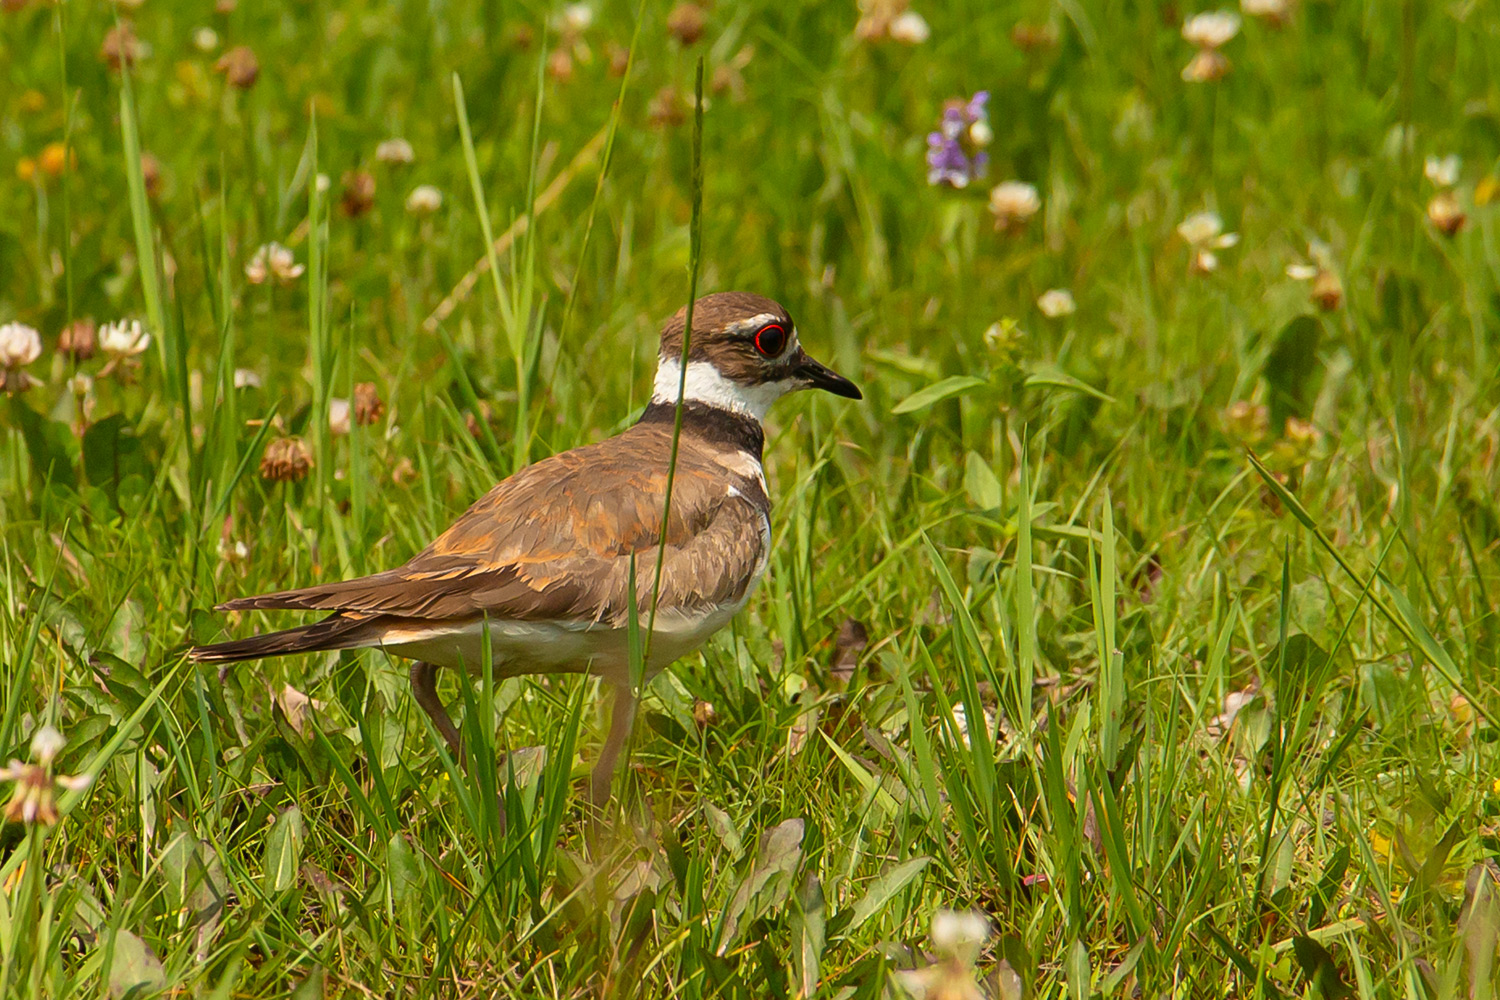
1155, 621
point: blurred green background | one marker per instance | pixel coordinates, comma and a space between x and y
1208, 543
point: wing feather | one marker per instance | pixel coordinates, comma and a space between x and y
555, 542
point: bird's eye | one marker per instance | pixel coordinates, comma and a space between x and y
770, 340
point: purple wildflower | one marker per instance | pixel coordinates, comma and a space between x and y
955, 153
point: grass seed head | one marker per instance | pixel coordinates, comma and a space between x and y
686, 23
1206, 67
1447, 213
1327, 290
368, 406
286, 460
240, 67
1033, 37
78, 340
120, 47
359, 193
668, 108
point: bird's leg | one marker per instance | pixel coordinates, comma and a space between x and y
621, 715
424, 687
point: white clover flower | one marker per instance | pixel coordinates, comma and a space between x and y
338, 416
1318, 268
1442, 170
272, 260
1206, 229
1204, 233
957, 938
576, 18
395, 152
910, 28
19, 345
246, 378
205, 39
46, 744
125, 338
1275, 11
233, 552
34, 798
1211, 29
960, 934
322, 183
81, 384
424, 200
1056, 303
1013, 203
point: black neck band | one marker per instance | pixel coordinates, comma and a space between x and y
712, 424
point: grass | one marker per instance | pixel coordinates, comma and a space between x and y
1236, 676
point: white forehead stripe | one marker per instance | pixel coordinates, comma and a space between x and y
705, 384
755, 322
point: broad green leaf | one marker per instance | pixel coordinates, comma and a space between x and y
769, 881
1057, 379
314, 987
723, 828
284, 851
1479, 925
953, 385
1079, 973
194, 878
809, 925
981, 483
884, 889
135, 970
403, 868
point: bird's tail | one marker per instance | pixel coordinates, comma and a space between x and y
337, 631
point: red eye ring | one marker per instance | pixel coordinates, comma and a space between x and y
770, 340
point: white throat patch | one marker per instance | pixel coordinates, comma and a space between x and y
705, 384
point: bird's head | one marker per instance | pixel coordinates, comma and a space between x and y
743, 355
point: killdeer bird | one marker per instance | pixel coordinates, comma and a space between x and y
541, 564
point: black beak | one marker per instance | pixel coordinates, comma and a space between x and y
819, 376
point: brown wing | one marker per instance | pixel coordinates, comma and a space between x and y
555, 542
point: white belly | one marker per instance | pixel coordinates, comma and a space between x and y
556, 647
